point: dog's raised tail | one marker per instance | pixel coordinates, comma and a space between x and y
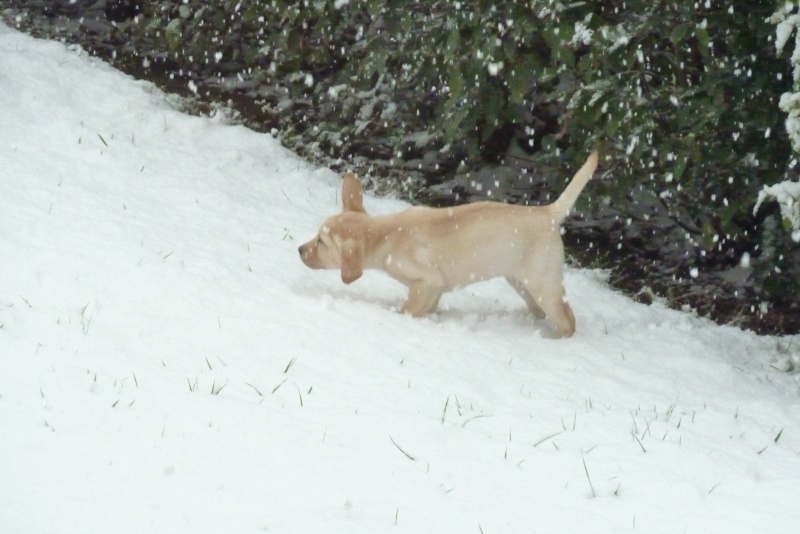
567, 199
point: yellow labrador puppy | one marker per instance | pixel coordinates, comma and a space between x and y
433, 250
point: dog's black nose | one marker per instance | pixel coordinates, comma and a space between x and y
300, 250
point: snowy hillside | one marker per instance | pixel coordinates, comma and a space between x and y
167, 364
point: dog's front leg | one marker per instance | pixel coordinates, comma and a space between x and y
422, 299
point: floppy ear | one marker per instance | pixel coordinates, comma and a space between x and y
352, 194
352, 260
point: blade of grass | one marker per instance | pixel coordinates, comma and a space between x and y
585, 468
545, 439
639, 442
255, 388
399, 448
279, 385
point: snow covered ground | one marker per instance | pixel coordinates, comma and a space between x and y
167, 364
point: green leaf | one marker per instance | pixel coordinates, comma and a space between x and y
702, 41
492, 103
679, 168
173, 34
455, 81
451, 49
251, 14
374, 60
509, 48
549, 143
453, 127
518, 84
293, 41
678, 33
375, 7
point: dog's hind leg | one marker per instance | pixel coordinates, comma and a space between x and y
535, 309
548, 294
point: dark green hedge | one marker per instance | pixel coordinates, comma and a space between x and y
682, 97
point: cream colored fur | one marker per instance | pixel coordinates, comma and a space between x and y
433, 250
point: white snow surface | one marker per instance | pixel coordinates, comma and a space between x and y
167, 364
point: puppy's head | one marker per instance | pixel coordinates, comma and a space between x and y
339, 244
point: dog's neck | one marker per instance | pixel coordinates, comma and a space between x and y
377, 231
375, 237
